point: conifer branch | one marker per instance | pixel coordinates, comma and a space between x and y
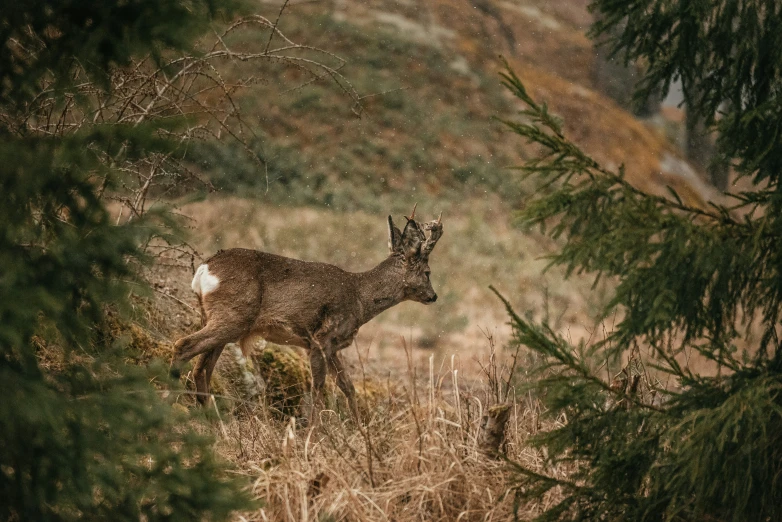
697, 287
563, 157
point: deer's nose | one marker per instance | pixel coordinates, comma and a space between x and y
433, 299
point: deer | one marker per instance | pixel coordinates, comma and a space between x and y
246, 294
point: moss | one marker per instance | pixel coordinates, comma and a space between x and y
371, 392
137, 342
287, 378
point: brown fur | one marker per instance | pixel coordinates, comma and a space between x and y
316, 306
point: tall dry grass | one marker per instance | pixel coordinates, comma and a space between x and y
414, 456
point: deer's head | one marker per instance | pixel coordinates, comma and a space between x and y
411, 247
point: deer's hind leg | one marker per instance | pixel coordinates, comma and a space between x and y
206, 365
216, 334
203, 373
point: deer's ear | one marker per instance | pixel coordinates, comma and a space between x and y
394, 237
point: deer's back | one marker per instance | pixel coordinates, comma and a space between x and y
274, 295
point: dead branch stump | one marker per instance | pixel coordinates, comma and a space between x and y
493, 429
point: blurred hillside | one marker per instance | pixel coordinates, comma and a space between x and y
428, 75
425, 133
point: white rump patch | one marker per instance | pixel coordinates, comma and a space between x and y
204, 282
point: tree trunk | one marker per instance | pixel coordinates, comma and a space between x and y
702, 152
612, 78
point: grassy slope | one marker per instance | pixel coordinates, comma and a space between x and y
429, 74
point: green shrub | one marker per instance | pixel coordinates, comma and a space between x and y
89, 439
693, 281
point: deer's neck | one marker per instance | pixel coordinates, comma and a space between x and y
380, 289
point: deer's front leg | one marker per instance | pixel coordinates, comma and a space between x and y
344, 383
318, 369
335, 333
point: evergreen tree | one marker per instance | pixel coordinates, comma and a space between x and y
690, 279
91, 440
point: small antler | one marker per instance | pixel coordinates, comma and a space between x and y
412, 216
412, 242
435, 229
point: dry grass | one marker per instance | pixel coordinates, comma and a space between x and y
415, 457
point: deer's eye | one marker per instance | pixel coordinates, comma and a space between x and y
427, 274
